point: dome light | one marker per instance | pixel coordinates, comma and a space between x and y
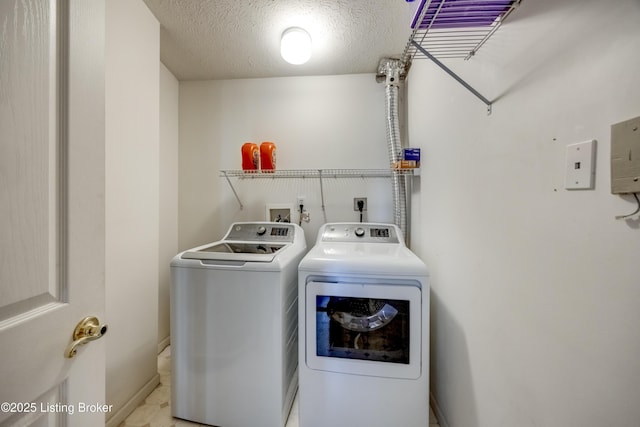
295, 46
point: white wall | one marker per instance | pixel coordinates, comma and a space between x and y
315, 122
535, 289
132, 185
168, 230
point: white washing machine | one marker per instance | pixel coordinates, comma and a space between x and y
234, 311
364, 330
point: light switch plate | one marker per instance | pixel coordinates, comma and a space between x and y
625, 157
580, 167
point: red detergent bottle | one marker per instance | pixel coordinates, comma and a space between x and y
268, 156
250, 157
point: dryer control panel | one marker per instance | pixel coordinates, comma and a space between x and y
360, 232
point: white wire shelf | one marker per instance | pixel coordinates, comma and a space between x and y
317, 173
320, 174
455, 28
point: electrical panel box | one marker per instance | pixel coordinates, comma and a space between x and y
625, 157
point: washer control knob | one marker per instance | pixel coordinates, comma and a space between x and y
261, 230
359, 232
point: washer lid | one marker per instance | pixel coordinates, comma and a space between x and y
236, 251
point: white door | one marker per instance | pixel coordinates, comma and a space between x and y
51, 210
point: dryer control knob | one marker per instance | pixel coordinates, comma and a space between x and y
261, 230
359, 231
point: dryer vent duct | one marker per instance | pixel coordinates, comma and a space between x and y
392, 71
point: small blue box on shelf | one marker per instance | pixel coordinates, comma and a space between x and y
411, 154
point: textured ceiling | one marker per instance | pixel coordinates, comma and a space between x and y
231, 39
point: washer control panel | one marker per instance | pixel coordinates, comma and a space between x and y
359, 232
261, 231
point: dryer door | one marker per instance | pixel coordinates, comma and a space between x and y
364, 329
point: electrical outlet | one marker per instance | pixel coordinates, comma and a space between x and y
300, 200
359, 199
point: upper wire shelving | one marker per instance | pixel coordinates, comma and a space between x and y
444, 29
455, 28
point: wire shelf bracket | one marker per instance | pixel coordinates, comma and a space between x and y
454, 75
235, 193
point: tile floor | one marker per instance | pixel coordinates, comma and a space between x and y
156, 410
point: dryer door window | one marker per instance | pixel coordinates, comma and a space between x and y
363, 328
366, 329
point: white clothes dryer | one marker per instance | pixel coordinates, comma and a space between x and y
364, 330
234, 330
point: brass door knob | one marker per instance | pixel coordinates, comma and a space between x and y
89, 329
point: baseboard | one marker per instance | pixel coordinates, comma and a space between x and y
164, 343
442, 421
133, 403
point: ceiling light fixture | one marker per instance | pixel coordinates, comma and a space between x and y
295, 46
